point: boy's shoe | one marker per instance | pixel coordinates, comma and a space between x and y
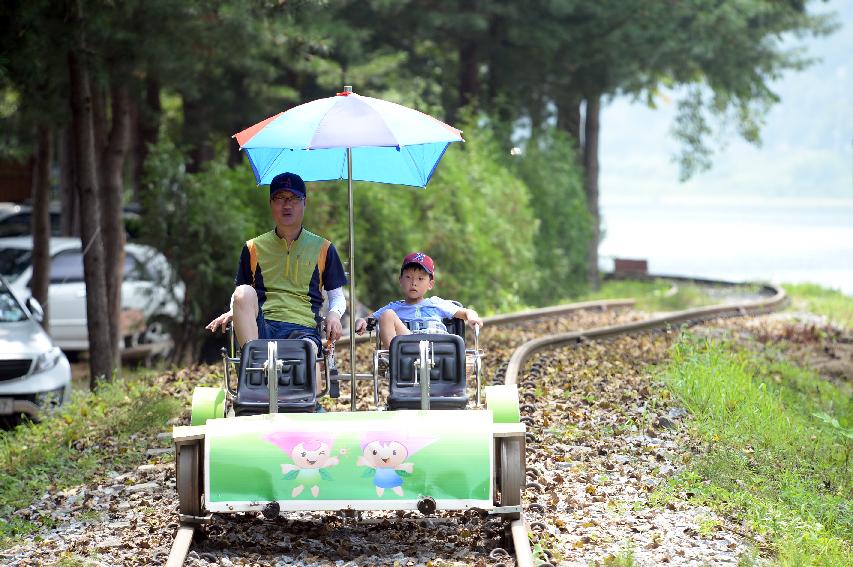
318, 408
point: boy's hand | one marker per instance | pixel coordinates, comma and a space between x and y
474, 319
360, 325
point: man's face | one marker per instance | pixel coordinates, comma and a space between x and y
414, 283
287, 209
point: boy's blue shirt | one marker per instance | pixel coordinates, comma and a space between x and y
431, 308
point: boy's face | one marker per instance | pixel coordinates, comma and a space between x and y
414, 283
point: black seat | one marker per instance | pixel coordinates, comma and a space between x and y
296, 381
447, 377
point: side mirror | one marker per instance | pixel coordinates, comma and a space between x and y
35, 308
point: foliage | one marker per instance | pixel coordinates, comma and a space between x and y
652, 295
200, 222
829, 303
772, 458
549, 168
71, 447
474, 219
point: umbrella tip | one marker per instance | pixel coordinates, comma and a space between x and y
347, 91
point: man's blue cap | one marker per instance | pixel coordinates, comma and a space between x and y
287, 182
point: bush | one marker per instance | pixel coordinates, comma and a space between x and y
200, 222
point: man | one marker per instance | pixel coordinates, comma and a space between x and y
281, 272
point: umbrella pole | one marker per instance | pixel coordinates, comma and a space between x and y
351, 284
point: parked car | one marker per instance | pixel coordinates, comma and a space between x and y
34, 373
151, 294
17, 219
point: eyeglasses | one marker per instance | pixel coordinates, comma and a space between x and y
287, 199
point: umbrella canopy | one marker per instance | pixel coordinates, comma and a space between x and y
390, 143
348, 137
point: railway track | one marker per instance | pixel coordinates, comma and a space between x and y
757, 300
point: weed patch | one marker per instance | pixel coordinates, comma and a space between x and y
111, 427
656, 295
777, 448
822, 301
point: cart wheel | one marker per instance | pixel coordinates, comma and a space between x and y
189, 479
511, 471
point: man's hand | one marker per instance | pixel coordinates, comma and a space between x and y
333, 326
221, 321
360, 325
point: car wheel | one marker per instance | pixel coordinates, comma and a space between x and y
159, 336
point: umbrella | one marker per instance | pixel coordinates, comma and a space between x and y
350, 137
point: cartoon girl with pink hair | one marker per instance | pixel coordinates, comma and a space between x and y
311, 455
386, 452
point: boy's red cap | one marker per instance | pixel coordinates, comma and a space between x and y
420, 259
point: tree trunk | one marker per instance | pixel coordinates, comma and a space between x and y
196, 132
147, 131
41, 220
469, 74
569, 117
68, 198
100, 343
590, 163
112, 226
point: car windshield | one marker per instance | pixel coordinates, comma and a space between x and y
13, 261
10, 309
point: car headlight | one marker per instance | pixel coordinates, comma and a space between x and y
48, 360
50, 399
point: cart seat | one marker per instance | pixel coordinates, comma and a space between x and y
447, 377
296, 381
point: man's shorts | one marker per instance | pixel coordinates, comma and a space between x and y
284, 330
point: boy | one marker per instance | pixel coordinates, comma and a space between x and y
423, 314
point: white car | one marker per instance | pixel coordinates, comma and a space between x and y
34, 374
151, 295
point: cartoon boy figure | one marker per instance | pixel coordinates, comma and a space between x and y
386, 452
311, 455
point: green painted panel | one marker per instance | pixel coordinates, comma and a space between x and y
350, 457
503, 401
208, 403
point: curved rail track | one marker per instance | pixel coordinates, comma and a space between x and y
771, 298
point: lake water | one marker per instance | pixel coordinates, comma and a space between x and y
755, 239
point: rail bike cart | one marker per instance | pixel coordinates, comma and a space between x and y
428, 448
259, 445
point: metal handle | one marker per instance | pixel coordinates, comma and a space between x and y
424, 362
272, 367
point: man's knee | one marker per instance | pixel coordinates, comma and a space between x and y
245, 297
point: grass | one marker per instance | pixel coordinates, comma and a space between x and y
653, 295
110, 428
777, 443
822, 301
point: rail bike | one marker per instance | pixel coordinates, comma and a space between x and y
258, 444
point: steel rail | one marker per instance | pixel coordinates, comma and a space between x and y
775, 299
530, 314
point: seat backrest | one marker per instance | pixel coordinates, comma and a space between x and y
295, 379
448, 353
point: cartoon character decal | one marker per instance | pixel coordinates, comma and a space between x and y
311, 454
385, 453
